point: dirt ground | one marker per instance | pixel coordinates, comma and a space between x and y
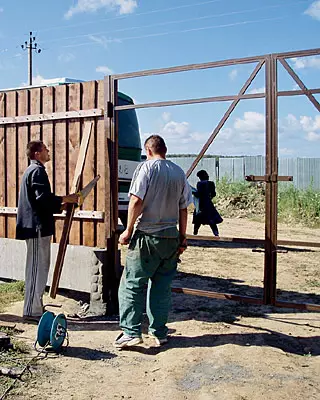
218, 349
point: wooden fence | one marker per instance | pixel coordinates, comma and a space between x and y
57, 116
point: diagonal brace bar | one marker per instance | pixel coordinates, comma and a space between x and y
225, 117
299, 82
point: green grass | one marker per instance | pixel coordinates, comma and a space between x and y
17, 357
10, 292
239, 199
295, 206
299, 205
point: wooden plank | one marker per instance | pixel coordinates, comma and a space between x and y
60, 165
46, 116
2, 164
35, 108
74, 129
11, 182
70, 211
101, 164
48, 130
22, 135
89, 171
79, 215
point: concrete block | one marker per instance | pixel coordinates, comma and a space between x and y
77, 269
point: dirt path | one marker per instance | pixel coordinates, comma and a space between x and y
218, 350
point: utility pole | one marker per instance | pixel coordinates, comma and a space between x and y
31, 45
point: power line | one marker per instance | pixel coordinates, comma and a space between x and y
181, 31
155, 11
174, 22
30, 46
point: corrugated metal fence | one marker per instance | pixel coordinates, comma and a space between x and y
305, 171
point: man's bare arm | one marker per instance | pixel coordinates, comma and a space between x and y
134, 210
183, 221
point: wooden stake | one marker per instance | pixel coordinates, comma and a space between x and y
70, 211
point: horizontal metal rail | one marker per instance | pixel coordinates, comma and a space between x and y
244, 299
191, 101
189, 67
299, 306
217, 295
284, 93
215, 64
213, 99
252, 241
298, 54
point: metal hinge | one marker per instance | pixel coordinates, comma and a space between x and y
110, 109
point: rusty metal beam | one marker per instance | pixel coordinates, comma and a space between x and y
225, 117
244, 299
213, 99
285, 93
268, 178
297, 54
189, 67
192, 101
217, 295
270, 260
253, 241
299, 82
299, 306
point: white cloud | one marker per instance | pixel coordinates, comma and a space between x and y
39, 80
314, 10
257, 90
309, 124
245, 136
306, 62
103, 41
251, 121
104, 70
291, 123
166, 116
313, 136
66, 57
233, 74
83, 6
286, 152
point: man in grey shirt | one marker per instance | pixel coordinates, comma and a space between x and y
159, 197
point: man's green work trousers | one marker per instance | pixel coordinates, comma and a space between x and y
152, 260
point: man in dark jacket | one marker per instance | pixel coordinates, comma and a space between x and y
35, 224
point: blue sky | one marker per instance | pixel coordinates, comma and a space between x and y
86, 39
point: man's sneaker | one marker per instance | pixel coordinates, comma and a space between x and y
158, 342
123, 340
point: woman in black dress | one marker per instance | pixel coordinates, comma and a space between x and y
205, 213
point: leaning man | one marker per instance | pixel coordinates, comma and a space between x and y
35, 225
159, 197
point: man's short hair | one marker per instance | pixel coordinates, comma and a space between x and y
33, 147
156, 144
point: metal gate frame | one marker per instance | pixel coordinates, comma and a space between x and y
271, 178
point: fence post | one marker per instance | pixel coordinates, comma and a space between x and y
270, 260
